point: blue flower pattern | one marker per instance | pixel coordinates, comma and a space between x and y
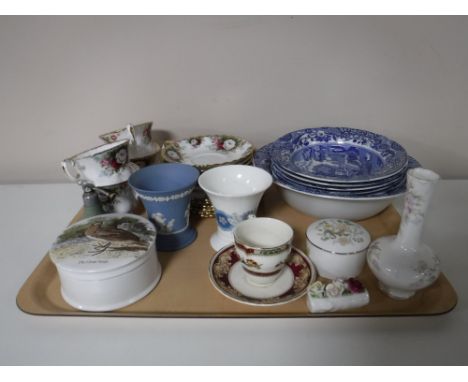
227, 222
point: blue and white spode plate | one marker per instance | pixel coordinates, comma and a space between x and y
262, 159
342, 188
387, 182
339, 154
382, 191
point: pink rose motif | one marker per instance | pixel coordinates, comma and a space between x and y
114, 164
355, 286
219, 144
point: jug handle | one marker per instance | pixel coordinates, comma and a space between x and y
65, 166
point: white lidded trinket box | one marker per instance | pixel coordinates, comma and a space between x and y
337, 247
107, 261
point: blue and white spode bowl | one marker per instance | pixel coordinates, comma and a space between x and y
327, 204
165, 190
339, 154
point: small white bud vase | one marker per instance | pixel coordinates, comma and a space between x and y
402, 263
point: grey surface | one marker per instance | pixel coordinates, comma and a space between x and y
33, 215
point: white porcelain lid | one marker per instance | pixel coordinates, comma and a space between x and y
338, 235
103, 243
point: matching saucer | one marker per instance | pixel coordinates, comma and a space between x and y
228, 277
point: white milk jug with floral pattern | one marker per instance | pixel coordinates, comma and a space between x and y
402, 263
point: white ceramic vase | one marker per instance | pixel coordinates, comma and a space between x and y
235, 192
402, 263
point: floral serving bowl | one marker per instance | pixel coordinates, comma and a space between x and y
208, 151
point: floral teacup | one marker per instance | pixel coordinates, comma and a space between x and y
101, 166
264, 246
139, 137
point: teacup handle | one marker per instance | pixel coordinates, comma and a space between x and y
168, 144
132, 133
66, 165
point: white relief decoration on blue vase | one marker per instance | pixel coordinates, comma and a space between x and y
165, 198
162, 224
227, 222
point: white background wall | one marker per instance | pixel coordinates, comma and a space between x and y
65, 80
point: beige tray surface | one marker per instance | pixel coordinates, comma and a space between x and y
186, 291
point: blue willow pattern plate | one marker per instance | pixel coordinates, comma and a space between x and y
262, 159
342, 186
384, 191
339, 154
383, 186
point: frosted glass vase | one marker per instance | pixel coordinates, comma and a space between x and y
402, 263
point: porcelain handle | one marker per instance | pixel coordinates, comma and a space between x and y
66, 164
132, 133
167, 145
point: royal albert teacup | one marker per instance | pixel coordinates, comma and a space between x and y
263, 245
101, 166
141, 144
165, 190
235, 192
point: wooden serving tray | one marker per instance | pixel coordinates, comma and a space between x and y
186, 291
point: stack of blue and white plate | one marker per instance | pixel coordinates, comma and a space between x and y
337, 172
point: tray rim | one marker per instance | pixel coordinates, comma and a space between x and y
258, 314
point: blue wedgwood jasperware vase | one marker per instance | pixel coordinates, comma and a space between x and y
165, 190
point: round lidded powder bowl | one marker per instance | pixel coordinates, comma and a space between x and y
337, 247
107, 261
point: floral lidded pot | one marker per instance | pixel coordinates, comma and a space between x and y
402, 263
337, 247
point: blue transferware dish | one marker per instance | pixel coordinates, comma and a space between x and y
392, 181
165, 190
262, 159
355, 190
382, 191
339, 154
